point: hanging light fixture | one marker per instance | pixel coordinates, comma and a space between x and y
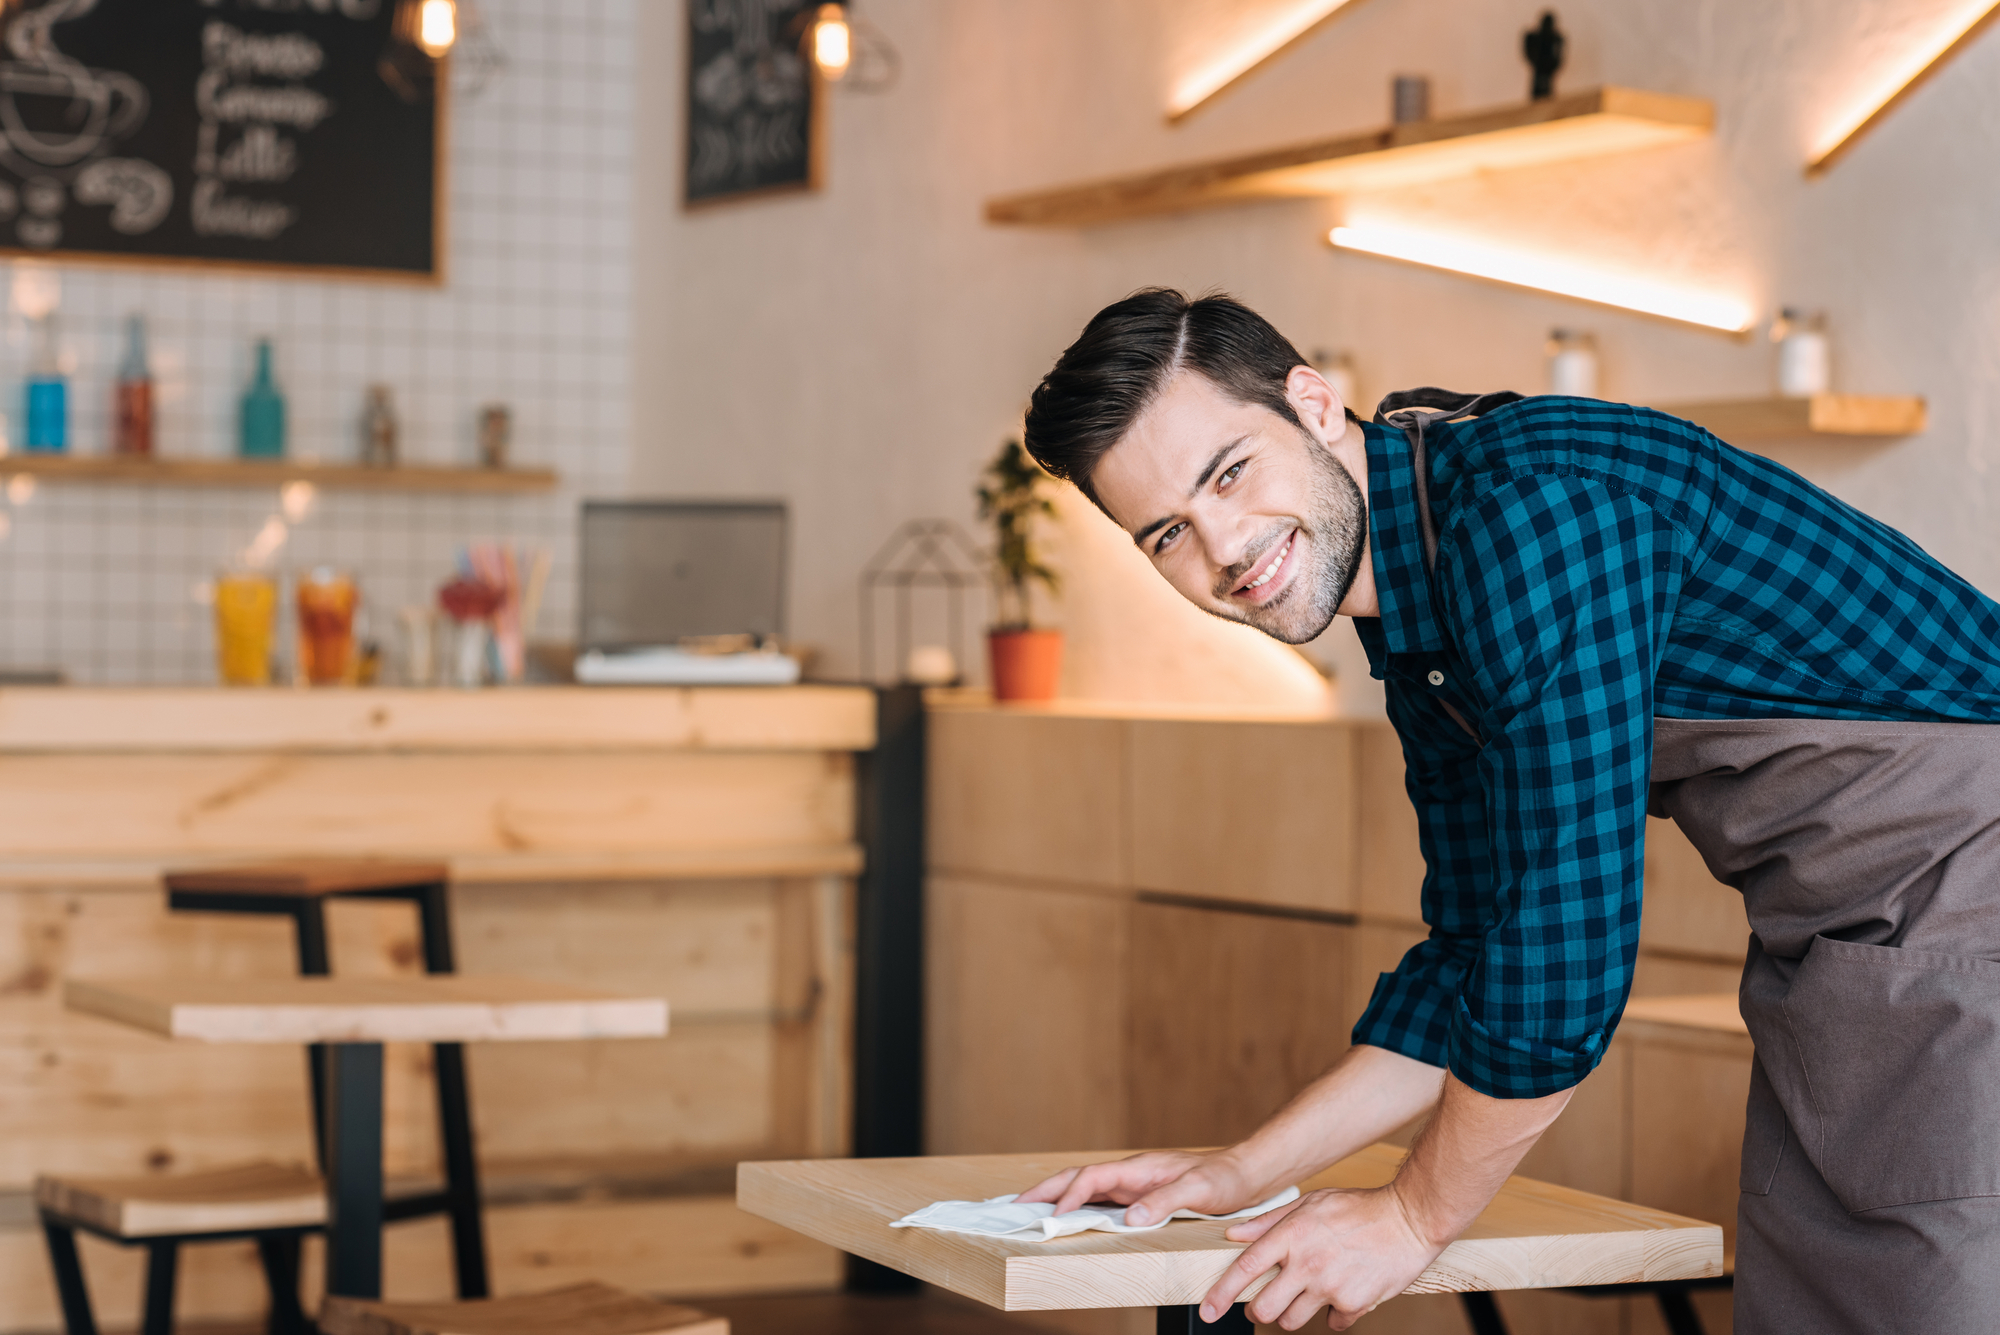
832, 41
849, 50
431, 26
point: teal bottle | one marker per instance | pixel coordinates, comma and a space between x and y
262, 423
48, 394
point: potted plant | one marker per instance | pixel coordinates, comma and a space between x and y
1027, 663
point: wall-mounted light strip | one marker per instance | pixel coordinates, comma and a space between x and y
1478, 260
1293, 22
1908, 76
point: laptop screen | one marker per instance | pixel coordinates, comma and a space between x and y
655, 573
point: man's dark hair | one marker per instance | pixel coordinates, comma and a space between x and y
1127, 353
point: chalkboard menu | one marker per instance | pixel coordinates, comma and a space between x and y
230, 131
754, 120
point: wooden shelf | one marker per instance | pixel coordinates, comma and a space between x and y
275, 473
1819, 415
1582, 125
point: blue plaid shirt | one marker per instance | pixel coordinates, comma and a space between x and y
1599, 565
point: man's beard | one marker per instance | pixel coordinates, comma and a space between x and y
1336, 523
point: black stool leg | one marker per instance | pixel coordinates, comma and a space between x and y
1677, 1309
309, 916
70, 1288
1179, 1320
280, 1255
162, 1267
1483, 1314
461, 1168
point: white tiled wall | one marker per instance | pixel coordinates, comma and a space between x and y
101, 581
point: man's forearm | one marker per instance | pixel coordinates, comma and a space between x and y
1368, 1094
1464, 1154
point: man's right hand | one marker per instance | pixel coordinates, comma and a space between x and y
1154, 1185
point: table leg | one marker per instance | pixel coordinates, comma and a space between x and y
1186, 1320
354, 1169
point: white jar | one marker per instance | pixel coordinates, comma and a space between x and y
1805, 364
1572, 363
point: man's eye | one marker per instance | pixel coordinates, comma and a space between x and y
1166, 538
1229, 473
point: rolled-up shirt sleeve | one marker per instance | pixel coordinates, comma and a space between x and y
1559, 587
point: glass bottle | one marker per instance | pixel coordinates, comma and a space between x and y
134, 395
378, 429
48, 393
262, 421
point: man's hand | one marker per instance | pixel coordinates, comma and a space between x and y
1343, 1250
1154, 1185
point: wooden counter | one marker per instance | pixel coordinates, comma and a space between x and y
1151, 928
696, 844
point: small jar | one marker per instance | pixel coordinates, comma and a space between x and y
1572, 363
1410, 99
1805, 364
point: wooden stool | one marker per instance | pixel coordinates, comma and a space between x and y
274, 1204
298, 888
580, 1309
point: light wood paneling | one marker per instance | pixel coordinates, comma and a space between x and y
1669, 976
1025, 1010
1585, 1149
1686, 909
1391, 862
1256, 812
1532, 1235
1377, 950
1230, 1014
423, 803
1031, 795
1689, 1091
110, 719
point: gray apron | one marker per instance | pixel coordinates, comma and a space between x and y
1868, 855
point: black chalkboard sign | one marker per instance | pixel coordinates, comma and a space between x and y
754, 114
225, 131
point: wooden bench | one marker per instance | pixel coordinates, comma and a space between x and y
580, 1309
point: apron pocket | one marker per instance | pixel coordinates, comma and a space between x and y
1900, 1052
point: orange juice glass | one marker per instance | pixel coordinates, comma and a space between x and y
246, 617
327, 599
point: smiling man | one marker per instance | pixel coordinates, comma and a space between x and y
1582, 610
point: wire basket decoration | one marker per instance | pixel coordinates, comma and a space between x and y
923, 554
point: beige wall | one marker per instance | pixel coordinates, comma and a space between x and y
860, 351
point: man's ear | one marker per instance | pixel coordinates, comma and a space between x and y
1317, 403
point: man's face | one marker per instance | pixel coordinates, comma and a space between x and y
1251, 518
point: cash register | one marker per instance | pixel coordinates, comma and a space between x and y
683, 593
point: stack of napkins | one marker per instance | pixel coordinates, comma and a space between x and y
1000, 1217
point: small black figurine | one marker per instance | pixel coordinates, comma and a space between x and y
1543, 47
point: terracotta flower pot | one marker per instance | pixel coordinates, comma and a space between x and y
1027, 664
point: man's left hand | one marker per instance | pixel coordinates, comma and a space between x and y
1344, 1250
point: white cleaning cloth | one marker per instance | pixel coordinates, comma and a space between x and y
1002, 1218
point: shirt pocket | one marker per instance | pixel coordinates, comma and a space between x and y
1899, 1055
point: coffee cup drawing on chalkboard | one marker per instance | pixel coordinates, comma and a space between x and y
59, 120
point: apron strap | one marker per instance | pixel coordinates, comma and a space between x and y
1412, 410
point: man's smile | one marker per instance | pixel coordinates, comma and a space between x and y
1270, 574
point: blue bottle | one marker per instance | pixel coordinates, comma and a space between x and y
261, 427
48, 394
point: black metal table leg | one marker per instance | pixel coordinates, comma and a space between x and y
1483, 1314
315, 961
461, 1166
162, 1269
1186, 1320
354, 1170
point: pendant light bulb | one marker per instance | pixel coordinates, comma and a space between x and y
833, 42
437, 27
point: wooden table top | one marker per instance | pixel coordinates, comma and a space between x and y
1533, 1235
443, 1008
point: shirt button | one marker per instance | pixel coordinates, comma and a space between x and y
1436, 677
